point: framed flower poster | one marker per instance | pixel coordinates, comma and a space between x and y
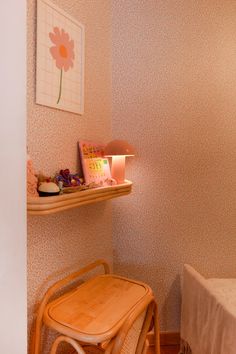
60, 59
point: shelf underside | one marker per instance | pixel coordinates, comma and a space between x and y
51, 205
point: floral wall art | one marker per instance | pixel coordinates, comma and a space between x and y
60, 59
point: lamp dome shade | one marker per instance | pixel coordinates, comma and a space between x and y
119, 148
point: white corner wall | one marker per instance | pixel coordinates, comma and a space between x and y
12, 162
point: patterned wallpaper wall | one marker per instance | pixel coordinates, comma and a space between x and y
174, 100
72, 238
174, 89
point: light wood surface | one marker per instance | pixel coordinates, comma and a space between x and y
54, 204
95, 311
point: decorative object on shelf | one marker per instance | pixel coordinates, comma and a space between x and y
96, 167
73, 189
32, 181
47, 189
60, 185
110, 181
68, 179
43, 178
67, 183
118, 150
60, 59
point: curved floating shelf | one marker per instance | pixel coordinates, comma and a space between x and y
55, 204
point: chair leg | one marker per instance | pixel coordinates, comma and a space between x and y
69, 340
145, 347
145, 328
156, 330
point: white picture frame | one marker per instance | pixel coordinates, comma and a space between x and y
60, 59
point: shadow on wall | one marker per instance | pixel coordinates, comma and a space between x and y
168, 309
169, 303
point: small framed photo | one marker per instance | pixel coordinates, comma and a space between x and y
60, 59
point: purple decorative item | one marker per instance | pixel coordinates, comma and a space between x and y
68, 179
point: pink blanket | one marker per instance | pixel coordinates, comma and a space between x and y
208, 323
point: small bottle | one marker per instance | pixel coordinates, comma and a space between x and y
60, 185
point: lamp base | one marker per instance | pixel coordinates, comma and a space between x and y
118, 169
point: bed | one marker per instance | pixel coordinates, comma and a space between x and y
208, 319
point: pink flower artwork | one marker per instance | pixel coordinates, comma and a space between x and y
62, 52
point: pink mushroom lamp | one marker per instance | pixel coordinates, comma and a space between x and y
118, 150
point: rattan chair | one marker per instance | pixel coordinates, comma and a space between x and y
105, 314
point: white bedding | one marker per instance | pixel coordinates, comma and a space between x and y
208, 321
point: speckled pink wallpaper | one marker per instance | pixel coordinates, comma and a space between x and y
73, 238
174, 99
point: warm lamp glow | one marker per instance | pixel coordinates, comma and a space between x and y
118, 150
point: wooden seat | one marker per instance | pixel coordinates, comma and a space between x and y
100, 313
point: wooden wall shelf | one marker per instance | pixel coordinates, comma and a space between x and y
51, 205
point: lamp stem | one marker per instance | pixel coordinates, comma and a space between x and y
118, 168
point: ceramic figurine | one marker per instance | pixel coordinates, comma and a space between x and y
47, 189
